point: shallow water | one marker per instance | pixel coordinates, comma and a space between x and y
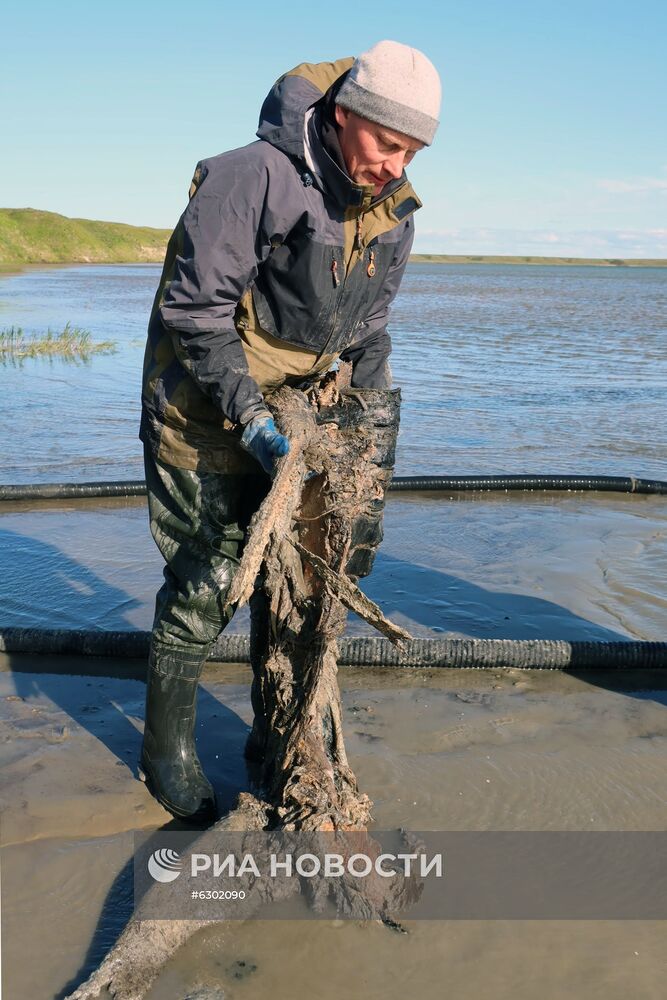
521, 566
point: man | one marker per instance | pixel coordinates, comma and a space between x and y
286, 258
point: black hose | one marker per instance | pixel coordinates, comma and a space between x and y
73, 491
527, 654
421, 484
371, 651
605, 484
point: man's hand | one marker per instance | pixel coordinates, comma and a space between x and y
262, 439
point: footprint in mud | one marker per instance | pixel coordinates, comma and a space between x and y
206, 993
27, 729
241, 969
505, 721
482, 698
368, 737
465, 734
362, 711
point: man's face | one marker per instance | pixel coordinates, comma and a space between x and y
373, 153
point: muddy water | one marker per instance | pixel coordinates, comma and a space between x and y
498, 566
443, 751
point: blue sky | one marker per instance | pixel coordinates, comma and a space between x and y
554, 123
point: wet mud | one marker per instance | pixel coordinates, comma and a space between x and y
439, 750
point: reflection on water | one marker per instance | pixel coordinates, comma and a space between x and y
503, 369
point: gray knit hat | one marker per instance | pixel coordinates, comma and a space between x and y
397, 86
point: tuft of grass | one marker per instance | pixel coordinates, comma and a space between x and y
71, 342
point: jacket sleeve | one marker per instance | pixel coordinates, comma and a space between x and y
370, 350
226, 232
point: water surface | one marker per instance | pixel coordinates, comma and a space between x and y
503, 369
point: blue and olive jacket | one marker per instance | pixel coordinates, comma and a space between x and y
279, 263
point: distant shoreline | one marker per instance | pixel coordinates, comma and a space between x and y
32, 238
7, 269
451, 258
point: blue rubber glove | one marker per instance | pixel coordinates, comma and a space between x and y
262, 439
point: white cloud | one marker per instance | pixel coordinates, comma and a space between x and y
544, 242
636, 185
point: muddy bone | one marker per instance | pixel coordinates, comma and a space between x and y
317, 531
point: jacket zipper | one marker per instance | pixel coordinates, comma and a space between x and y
358, 246
357, 236
370, 271
336, 281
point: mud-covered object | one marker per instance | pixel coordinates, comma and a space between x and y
305, 782
379, 411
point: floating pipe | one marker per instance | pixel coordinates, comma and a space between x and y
403, 484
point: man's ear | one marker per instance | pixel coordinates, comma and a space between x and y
342, 114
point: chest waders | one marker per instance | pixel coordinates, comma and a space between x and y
198, 521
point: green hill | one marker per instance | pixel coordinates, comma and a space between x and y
29, 236
449, 258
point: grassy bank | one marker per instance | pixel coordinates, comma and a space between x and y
29, 236
453, 258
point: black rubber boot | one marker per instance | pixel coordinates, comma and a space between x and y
169, 758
